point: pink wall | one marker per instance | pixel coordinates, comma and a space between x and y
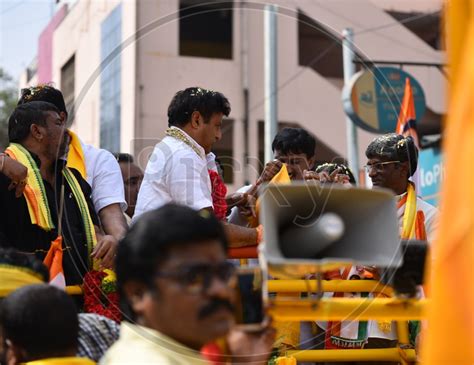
45, 47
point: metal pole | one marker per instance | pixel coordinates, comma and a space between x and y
270, 64
351, 131
244, 40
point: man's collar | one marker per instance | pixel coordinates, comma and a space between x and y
400, 197
191, 140
129, 331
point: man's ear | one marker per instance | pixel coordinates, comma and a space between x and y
311, 163
36, 132
196, 119
404, 169
137, 295
63, 116
14, 354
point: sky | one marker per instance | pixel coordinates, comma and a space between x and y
21, 23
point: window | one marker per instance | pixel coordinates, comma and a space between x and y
425, 26
110, 77
205, 30
67, 84
319, 49
224, 151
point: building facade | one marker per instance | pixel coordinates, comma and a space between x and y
119, 63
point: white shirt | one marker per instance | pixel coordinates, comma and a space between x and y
175, 173
104, 177
235, 217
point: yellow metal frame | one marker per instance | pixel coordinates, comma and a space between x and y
293, 309
340, 309
342, 286
389, 354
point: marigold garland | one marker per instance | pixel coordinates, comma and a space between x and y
100, 294
219, 192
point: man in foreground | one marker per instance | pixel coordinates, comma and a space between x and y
177, 291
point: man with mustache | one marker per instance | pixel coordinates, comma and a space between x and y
30, 223
392, 160
176, 290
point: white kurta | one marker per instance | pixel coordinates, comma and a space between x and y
175, 173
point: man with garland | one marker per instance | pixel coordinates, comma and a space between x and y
30, 223
182, 168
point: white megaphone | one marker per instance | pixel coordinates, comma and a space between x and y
310, 228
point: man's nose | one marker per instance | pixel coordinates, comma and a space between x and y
218, 136
219, 288
372, 172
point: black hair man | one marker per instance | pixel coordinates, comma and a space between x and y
392, 160
97, 166
34, 333
132, 176
30, 223
179, 168
177, 292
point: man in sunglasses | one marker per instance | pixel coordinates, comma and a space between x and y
176, 290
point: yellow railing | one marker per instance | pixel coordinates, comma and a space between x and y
390, 354
293, 309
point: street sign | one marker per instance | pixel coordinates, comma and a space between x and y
373, 98
430, 174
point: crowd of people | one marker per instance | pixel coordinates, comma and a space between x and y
70, 209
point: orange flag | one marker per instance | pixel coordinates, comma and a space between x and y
406, 124
54, 262
449, 338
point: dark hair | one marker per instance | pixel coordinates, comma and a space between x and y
42, 320
294, 140
43, 93
11, 257
394, 147
330, 167
24, 116
206, 102
123, 157
149, 240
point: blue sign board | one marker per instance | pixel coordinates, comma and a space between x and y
430, 174
373, 98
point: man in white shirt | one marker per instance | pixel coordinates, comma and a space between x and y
178, 169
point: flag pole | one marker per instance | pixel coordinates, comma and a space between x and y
351, 131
